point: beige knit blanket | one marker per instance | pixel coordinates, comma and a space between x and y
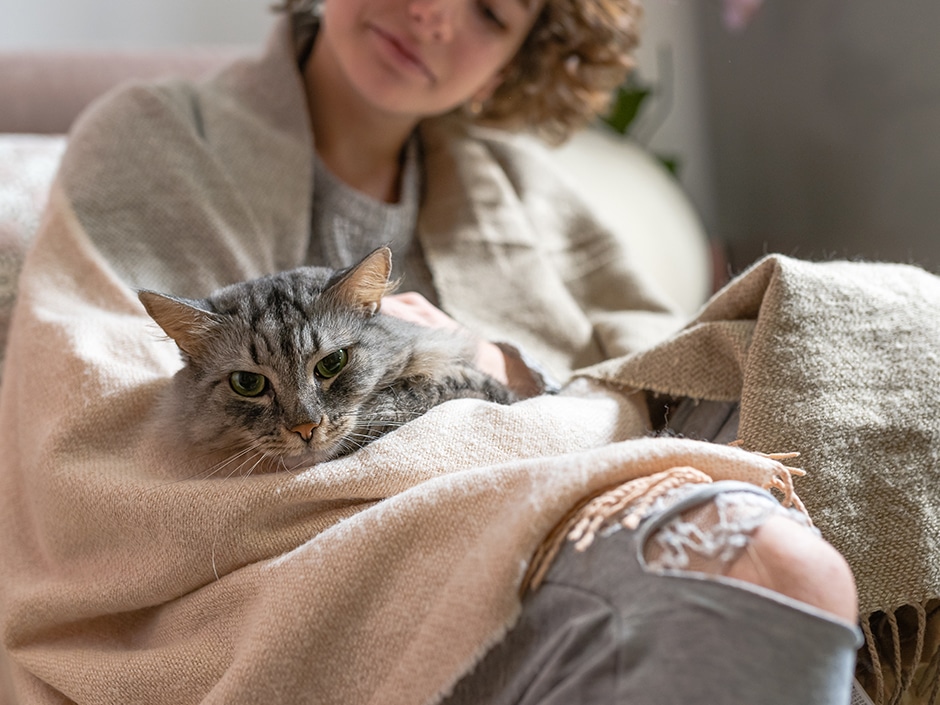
133, 575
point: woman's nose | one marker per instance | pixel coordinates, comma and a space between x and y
434, 20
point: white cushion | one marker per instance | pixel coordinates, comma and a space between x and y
635, 194
28, 164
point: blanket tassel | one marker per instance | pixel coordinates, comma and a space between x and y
900, 661
630, 500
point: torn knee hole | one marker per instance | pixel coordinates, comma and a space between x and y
709, 537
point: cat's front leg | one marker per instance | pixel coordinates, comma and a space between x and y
409, 398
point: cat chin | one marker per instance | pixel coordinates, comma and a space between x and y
294, 463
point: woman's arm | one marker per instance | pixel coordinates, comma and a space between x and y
501, 362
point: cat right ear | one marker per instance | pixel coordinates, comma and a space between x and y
186, 324
366, 283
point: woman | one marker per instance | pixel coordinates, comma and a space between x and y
355, 130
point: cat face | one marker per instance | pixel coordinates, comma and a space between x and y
279, 367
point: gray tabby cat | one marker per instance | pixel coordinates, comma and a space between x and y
300, 367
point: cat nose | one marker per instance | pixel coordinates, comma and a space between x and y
305, 430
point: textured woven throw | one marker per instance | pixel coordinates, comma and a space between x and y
839, 362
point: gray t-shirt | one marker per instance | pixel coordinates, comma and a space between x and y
347, 224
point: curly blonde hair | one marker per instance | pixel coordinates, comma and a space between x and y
575, 56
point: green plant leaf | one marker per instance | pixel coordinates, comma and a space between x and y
626, 106
672, 163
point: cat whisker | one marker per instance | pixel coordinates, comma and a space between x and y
343, 448
365, 433
355, 440
210, 471
296, 469
259, 457
252, 455
241, 457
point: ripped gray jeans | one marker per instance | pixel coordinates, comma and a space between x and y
633, 619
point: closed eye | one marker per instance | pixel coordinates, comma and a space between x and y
489, 14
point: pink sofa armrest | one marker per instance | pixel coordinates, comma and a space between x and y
44, 91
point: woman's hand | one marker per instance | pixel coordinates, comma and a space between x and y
413, 307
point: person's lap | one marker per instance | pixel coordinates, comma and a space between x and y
646, 616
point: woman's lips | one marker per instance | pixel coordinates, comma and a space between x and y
403, 53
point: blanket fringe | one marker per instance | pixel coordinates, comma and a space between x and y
899, 663
631, 501
783, 481
637, 496
876, 668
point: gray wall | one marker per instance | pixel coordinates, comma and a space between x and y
673, 122
825, 130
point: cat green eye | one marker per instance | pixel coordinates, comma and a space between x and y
248, 384
332, 364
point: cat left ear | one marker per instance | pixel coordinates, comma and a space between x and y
365, 284
187, 324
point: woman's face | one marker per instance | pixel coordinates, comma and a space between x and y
419, 58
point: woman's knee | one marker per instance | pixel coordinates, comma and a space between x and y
751, 537
787, 558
